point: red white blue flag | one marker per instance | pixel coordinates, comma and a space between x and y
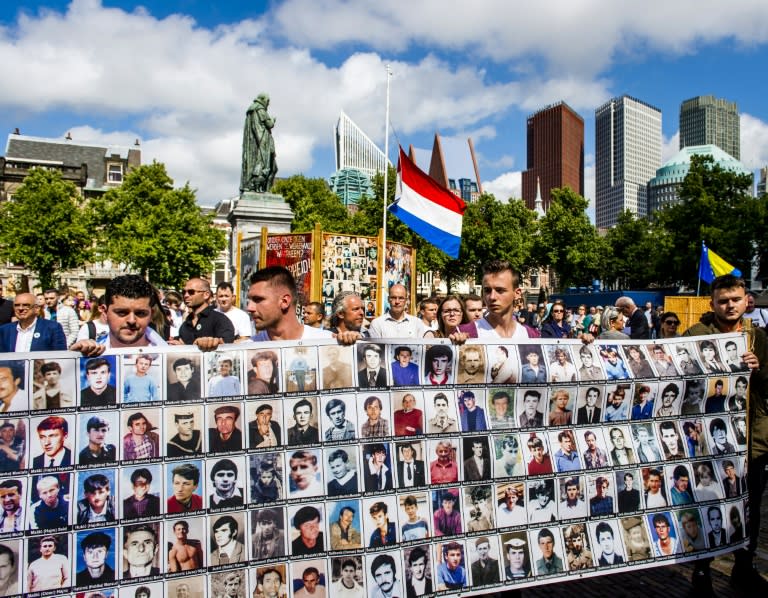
427, 208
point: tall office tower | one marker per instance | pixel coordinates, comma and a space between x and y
627, 154
354, 149
707, 120
555, 139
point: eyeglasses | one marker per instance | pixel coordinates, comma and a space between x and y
191, 291
22, 306
557, 311
672, 322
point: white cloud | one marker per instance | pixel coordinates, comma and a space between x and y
589, 185
754, 142
506, 186
182, 88
669, 147
582, 36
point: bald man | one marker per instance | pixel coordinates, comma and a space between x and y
204, 326
30, 333
396, 323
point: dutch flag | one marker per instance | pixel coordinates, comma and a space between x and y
427, 208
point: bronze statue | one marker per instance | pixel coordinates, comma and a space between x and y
259, 164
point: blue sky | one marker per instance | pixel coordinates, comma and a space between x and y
179, 74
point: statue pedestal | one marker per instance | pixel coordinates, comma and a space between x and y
251, 211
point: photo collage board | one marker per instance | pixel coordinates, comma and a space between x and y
367, 470
350, 263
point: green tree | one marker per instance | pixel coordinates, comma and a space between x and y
637, 248
156, 229
495, 230
312, 201
43, 226
715, 207
568, 242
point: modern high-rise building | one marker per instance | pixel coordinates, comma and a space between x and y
355, 153
555, 154
627, 155
354, 149
762, 184
707, 120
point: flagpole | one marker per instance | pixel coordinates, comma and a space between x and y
382, 268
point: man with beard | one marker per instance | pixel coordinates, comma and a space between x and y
128, 304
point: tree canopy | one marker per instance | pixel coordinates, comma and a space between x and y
44, 228
637, 250
312, 201
568, 242
717, 208
156, 229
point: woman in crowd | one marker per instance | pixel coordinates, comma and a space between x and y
449, 315
554, 325
612, 324
669, 325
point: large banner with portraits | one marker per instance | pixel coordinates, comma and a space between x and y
390, 470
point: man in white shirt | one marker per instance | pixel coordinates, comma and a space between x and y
63, 314
347, 586
239, 318
396, 323
502, 292
30, 333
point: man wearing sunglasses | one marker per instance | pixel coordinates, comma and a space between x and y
204, 326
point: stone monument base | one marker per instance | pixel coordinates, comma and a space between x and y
252, 210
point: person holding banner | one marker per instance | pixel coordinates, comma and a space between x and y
501, 292
128, 304
729, 304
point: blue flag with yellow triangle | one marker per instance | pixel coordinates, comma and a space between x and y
712, 265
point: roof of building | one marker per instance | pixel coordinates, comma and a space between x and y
65, 153
676, 168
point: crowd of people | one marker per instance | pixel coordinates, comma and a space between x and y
133, 314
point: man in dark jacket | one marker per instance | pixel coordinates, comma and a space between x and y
728, 306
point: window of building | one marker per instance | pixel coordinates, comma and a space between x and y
115, 173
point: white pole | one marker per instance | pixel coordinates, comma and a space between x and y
382, 268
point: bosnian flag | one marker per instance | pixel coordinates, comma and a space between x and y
427, 208
712, 265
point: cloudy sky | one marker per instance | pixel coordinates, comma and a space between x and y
179, 74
